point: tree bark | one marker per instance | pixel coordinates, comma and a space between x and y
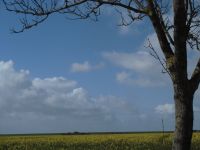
184, 118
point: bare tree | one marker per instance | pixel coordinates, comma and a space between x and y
174, 38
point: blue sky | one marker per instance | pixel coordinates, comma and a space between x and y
66, 76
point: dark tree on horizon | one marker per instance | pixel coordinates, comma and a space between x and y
175, 38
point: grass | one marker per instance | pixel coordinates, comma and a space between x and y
133, 141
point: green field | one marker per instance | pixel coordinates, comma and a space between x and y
133, 141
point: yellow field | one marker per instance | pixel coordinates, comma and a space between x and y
137, 141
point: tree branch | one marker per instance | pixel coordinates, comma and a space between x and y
26, 25
157, 57
164, 26
128, 7
160, 31
78, 9
25, 8
193, 23
43, 12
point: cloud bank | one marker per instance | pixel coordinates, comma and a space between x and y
55, 99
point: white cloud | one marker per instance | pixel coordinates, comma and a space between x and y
127, 78
85, 67
8, 74
148, 82
124, 30
139, 61
130, 30
165, 109
141, 68
78, 67
52, 98
123, 77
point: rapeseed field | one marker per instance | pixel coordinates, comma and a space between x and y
133, 141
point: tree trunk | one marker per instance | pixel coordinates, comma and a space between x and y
184, 119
